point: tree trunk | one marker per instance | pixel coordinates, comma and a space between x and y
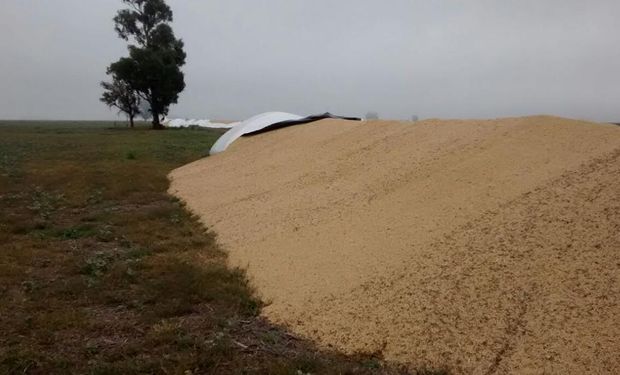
131, 122
156, 124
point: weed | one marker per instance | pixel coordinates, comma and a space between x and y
29, 286
8, 165
76, 232
372, 363
44, 203
95, 197
92, 348
105, 233
166, 330
270, 338
307, 364
138, 253
96, 265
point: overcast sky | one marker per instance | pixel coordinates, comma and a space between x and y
448, 58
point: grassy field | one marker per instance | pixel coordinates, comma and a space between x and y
102, 272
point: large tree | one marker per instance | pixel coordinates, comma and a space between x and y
152, 69
120, 95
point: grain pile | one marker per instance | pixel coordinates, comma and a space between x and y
482, 246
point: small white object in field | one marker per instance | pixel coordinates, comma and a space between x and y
181, 123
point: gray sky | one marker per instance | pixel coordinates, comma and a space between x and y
448, 58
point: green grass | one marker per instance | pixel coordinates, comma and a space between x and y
102, 272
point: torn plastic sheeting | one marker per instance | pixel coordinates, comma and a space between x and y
248, 126
304, 120
266, 122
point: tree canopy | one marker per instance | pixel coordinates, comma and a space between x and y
120, 95
152, 69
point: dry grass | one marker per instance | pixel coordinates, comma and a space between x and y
102, 272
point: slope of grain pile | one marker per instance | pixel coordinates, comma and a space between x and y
481, 246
